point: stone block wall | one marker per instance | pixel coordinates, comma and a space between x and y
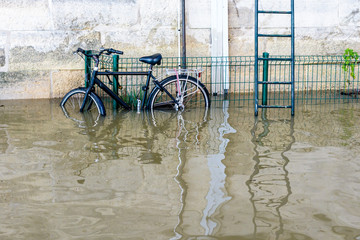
37, 37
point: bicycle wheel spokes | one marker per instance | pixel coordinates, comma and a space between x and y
192, 95
163, 101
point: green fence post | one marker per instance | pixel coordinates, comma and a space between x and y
115, 68
87, 68
265, 78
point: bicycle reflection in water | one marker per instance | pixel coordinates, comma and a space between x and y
202, 177
269, 184
189, 132
143, 136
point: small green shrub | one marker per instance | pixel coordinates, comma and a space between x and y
351, 59
131, 98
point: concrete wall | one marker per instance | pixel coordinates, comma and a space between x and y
38, 36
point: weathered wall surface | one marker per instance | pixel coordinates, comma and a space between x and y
37, 37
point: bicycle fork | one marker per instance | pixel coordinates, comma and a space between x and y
88, 90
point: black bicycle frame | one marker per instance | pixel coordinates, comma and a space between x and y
96, 81
111, 93
108, 91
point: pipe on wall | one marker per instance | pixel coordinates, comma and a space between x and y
183, 36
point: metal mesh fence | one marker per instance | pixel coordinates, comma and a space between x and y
318, 79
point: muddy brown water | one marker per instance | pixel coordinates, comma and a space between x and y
220, 174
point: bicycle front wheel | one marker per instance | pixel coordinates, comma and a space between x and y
189, 92
72, 102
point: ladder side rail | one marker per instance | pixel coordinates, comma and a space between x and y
293, 58
256, 55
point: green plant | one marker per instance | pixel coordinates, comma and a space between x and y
351, 59
131, 98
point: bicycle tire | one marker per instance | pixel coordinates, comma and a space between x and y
72, 101
195, 94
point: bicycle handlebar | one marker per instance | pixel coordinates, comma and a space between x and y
102, 50
111, 50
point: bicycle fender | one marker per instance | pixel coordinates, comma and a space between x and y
94, 95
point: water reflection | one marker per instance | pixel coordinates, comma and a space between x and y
217, 194
269, 184
209, 192
181, 137
179, 176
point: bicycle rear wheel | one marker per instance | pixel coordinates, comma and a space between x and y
193, 94
71, 104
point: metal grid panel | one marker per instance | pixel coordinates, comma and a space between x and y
318, 79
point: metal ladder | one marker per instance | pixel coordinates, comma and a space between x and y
265, 59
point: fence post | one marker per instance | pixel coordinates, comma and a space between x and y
115, 68
87, 68
265, 78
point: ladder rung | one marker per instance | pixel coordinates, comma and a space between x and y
273, 106
274, 35
276, 59
275, 12
274, 82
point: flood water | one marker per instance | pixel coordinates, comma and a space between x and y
221, 174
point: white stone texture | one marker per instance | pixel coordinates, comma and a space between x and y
81, 15
25, 15
198, 14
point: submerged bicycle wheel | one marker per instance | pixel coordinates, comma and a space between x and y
193, 94
71, 104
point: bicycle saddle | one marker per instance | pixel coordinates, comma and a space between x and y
153, 59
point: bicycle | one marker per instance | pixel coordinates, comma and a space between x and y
176, 92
